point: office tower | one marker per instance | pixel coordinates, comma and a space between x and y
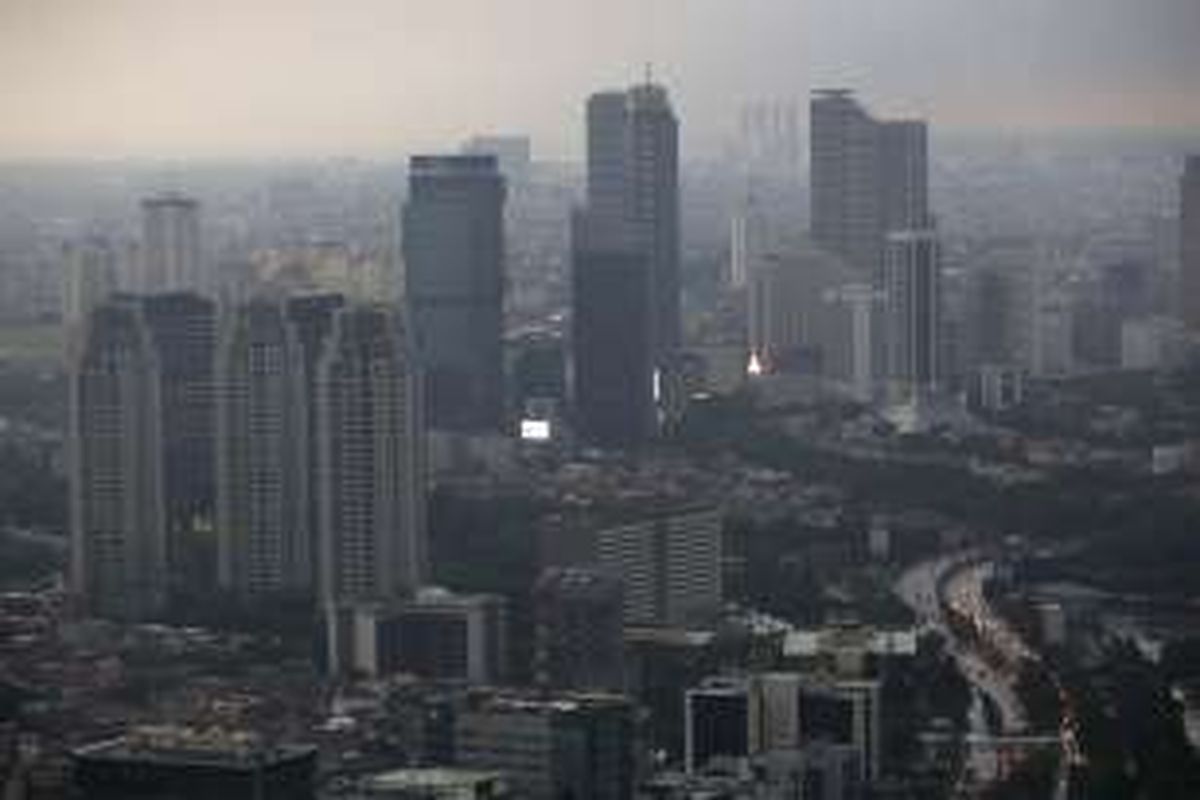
454, 278
652, 178
844, 179
371, 456
610, 331
89, 277
115, 464
1189, 232
436, 636
633, 194
551, 746
190, 764
999, 308
904, 175
578, 630
868, 178
669, 563
264, 539
170, 245
912, 289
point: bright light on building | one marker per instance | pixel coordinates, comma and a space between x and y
755, 367
535, 430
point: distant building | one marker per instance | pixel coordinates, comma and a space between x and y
90, 275
454, 286
613, 386
551, 746
371, 451
171, 255
437, 636
912, 312
115, 466
669, 563
140, 450
578, 630
265, 543
1189, 231
190, 765
633, 195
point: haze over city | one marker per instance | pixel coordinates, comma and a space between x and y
599, 400
129, 78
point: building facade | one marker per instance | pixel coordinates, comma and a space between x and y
171, 256
265, 543
454, 286
1189, 232
371, 457
579, 630
669, 564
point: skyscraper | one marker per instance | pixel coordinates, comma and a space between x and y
1189, 231
844, 178
170, 244
652, 186
625, 244
265, 543
89, 277
912, 308
610, 332
183, 328
868, 177
372, 481
115, 466
454, 278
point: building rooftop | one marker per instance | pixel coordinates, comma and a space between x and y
169, 744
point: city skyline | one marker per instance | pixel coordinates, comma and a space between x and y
367, 78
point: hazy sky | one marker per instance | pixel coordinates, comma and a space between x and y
379, 77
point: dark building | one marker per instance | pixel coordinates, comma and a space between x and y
114, 465
539, 369
454, 279
183, 328
181, 765
579, 630
551, 746
613, 367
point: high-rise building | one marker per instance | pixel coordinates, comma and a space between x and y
551, 746
454, 279
183, 328
115, 465
1189, 231
613, 374
171, 256
868, 178
89, 277
844, 179
579, 630
311, 317
633, 194
912, 303
625, 281
265, 542
371, 455
154, 355
669, 563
